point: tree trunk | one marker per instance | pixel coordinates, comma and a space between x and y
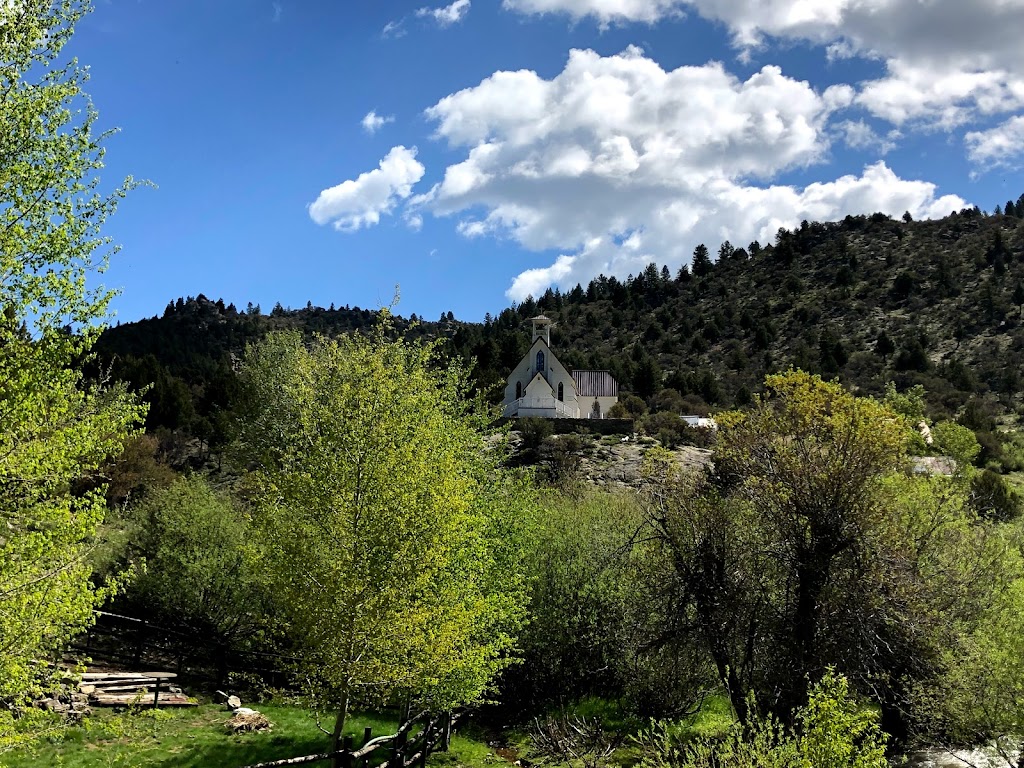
339, 729
812, 571
728, 677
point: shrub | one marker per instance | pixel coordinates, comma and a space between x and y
833, 730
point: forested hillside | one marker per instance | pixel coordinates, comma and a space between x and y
868, 300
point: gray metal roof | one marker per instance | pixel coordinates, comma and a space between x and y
595, 384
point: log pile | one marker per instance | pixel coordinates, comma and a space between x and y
123, 689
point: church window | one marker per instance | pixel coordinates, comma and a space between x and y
540, 361
561, 391
519, 389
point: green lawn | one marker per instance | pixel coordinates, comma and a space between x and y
198, 738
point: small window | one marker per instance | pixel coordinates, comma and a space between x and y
540, 361
519, 389
561, 391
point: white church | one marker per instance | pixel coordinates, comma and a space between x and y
541, 386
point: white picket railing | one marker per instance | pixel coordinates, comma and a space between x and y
541, 403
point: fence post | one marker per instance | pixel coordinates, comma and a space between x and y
398, 756
367, 735
346, 756
139, 641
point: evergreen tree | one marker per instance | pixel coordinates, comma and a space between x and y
701, 263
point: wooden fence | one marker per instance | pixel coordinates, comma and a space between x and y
134, 643
406, 748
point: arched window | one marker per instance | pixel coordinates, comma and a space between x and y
561, 391
519, 389
540, 361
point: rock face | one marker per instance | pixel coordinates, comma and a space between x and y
941, 758
73, 705
621, 464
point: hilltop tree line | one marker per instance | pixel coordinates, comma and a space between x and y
868, 300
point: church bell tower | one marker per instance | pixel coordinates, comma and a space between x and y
541, 329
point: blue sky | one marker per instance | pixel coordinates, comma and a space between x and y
478, 151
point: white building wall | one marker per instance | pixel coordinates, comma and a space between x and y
587, 406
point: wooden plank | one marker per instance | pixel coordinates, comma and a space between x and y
147, 686
167, 699
121, 675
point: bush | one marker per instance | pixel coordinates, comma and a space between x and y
196, 578
832, 731
992, 498
534, 430
563, 456
671, 431
628, 407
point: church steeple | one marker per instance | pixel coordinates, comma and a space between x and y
541, 329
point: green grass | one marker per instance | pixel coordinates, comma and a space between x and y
199, 738
714, 717
192, 738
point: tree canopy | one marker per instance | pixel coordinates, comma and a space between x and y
54, 429
812, 543
391, 533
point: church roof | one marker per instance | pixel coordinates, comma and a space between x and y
595, 384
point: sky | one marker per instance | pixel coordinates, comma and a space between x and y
478, 152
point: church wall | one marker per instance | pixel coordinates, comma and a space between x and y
523, 373
558, 375
554, 372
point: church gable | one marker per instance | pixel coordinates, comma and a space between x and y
542, 360
538, 387
541, 386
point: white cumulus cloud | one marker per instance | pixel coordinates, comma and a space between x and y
448, 14
1002, 145
361, 202
615, 162
605, 11
946, 61
859, 135
373, 122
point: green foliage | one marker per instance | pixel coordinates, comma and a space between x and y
832, 731
992, 498
910, 403
590, 618
628, 407
672, 431
562, 456
957, 442
391, 535
835, 730
979, 697
54, 431
534, 431
811, 490
197, 575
